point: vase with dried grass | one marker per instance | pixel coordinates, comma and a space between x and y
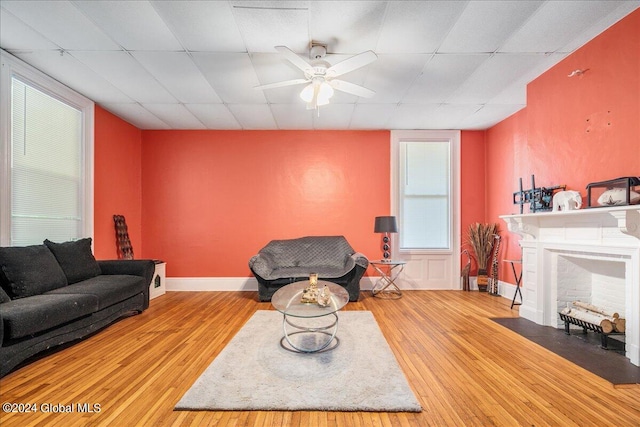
480, 237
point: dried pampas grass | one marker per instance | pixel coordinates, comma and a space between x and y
481, 237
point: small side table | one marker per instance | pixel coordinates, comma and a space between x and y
385, 286
518, 278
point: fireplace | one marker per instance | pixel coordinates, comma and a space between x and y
591, 255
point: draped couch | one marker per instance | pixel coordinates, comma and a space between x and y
282, 262
54, 293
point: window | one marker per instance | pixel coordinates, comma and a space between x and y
425, 200
46, 153
424, 188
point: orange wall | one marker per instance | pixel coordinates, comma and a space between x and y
212, 199
574, 130
504, 163
117, 182
472, 183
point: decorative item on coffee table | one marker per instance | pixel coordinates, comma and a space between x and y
310, 293
480, 237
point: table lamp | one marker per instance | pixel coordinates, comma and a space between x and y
386, 225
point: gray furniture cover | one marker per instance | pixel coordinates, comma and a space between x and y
282, 262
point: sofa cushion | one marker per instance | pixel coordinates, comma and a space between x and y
108, 288
76, 259
29, 270
28, 316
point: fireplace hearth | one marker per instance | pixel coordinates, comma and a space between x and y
592, 255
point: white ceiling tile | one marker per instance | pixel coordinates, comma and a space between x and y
411, 116
391, 76
136, 115
205, 26
15, 34
292, 116
487, 116
515, 94
371, 116
61, 22
333, 116
417, 26
68, 70
485, 25
179, 75
442, 75
253, 116
555, 23
214, 116
135, 25
347, 26
622, 9
492, 76
287, 23
449, 116
175, 115
125, 73
231, 75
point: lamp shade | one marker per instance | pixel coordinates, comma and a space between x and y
385, 224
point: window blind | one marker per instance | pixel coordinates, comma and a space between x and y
46, 167
425, 195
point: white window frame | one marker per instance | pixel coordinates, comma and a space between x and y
11, 66
453, 136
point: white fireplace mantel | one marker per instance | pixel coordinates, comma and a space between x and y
627, 219
604, 235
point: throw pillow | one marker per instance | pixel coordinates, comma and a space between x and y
76, 259
29, 270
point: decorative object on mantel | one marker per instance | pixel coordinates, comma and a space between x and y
567, 201
464, 273
481, 238
614, 192
493, 281
539, 199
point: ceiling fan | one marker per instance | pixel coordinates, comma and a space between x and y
321, 76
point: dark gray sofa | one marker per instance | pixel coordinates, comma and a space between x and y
55, 293
282, 262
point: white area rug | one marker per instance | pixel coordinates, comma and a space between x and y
253, 372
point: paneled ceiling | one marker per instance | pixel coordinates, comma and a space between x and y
194, 64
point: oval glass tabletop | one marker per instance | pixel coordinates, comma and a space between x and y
288, 300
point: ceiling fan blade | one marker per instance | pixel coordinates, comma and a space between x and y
351, 88
350, 64
282, 84
294, 58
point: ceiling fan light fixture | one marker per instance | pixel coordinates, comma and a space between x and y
307, 93
325, 93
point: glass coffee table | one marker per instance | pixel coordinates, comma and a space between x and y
308, 327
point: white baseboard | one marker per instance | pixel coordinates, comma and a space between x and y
507, 290
230, 284
186, 284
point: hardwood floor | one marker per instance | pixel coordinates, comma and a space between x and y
465, 369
